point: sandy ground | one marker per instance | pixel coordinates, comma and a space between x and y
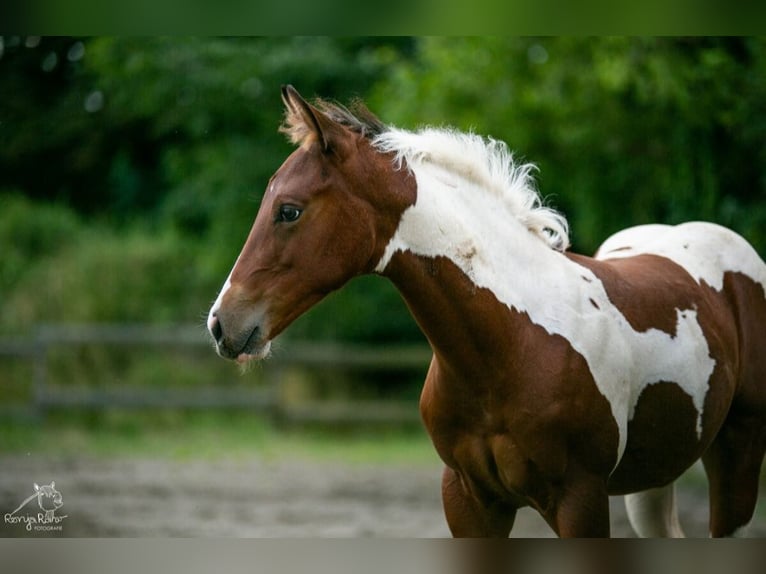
260, 498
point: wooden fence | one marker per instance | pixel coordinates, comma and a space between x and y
268, 398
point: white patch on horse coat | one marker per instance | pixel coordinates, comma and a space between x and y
459, 217
219, 299
705, 250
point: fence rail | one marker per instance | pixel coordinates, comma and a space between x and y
268, 398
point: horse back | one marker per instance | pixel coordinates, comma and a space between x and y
654, 274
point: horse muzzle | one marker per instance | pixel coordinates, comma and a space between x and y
243, 344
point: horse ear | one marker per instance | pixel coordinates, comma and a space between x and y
313, 119
288, 93
37, 488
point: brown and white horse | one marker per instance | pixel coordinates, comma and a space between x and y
557, 379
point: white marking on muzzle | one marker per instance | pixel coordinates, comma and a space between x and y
217, 304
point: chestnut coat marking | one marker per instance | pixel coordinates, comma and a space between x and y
456, 217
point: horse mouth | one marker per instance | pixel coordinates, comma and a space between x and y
254, 348
254, 352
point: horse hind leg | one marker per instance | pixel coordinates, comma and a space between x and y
733, 466
653, 513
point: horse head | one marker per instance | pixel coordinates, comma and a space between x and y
48, 498
325, 217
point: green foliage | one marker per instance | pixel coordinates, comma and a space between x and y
140, 162
107, 277
172, 157
29, 233
624, 130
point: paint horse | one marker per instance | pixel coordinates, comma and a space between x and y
556, 379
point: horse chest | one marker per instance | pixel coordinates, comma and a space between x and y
500, 449
493, 466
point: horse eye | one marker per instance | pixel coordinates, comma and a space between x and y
288, 213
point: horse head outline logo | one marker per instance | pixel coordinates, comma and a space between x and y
48, 498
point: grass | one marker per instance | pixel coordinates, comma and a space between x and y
207, 436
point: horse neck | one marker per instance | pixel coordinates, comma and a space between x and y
468, 270
447, 309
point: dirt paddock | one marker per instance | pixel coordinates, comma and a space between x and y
262, 498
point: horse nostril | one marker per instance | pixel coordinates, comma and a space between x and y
215, 329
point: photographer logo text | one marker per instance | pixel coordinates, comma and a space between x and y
39, 511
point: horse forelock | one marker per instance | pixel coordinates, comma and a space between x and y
487, 162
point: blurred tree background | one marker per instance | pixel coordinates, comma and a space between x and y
131, 168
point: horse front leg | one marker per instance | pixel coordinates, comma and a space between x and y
581, 509
467, 517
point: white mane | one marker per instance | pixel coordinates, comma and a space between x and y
487, 162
